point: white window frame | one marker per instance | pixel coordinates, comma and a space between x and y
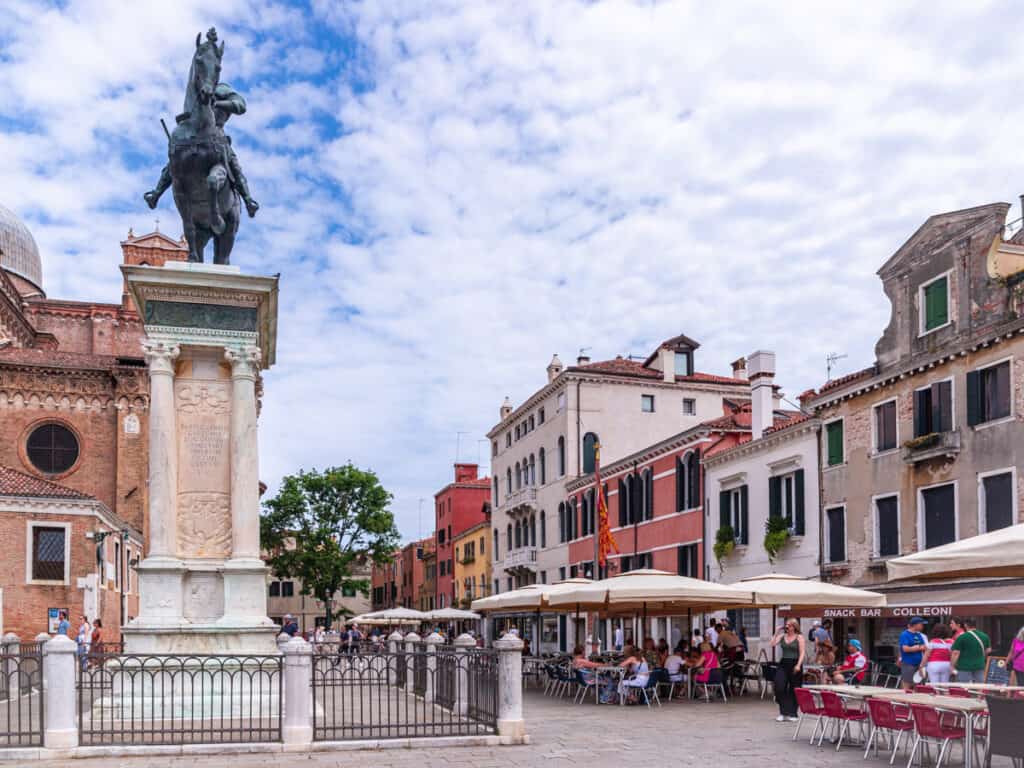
824, 436
828, 535
692, 401
875, 452
920, 511
1013, 408
921, 310
875, 548
31, 525
952, 401
982, 501
643, 399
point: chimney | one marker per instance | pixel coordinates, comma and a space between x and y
583, 359
465, 473
761, 372
506, 409
739, 368
554, 368
668, 364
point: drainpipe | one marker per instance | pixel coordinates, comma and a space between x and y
821, 507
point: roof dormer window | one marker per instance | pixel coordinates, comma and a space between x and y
934, 304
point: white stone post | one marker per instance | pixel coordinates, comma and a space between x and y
411, 641
297, 727
393, 640
282, 641
511, 727
463, 644
11, 644
60, 726
433, 640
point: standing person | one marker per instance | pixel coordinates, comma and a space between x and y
967, 662
84, 639
1015, 659
712, 634
64, 626
938, 654
618, 638
290, 625
96, 642
789, 674
956, 626
912, 644
732, 646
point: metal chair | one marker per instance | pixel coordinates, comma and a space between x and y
715, 682
768, 670
840, 714
889, 719
933, 728
585, 685
808, 706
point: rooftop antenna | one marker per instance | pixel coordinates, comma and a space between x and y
830, 362
419, 521
458, 444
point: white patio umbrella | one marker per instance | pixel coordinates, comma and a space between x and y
398, 615
995, 554
523, 597
650, 590
452, 614
775, 589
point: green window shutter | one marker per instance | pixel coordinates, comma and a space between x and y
835, 443
973, 398
744, 538
724, 516
798, 491
936, 304
774, 496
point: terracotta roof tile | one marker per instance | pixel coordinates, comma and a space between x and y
15, 483
620, 366
850, 377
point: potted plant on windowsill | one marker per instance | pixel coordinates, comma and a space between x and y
924, 441
776, 534
725, 543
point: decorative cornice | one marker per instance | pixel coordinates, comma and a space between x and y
768, 441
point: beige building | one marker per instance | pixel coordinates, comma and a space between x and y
472, 576
926, 446
283, 598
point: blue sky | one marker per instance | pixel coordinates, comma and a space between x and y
453, 191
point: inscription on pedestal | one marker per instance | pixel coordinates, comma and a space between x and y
204, 485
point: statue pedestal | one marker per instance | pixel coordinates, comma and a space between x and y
209, 331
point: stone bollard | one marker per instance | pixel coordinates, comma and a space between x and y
433, 641
464, 644
411, 641
282, 641
393, 643
511, 727
60, 726
297, 727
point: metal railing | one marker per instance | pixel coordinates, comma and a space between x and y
21, 695
370, 696
179, 699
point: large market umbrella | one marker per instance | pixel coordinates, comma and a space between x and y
523, 597
452, 614
397, 615
651, 590
774, 589
999, 553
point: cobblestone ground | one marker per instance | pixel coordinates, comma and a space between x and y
742, 731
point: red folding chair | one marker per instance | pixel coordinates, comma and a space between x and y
933, 726
890, 719
809, 707
963, 693
924, 689
838, 711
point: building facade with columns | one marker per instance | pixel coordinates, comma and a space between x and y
548, 440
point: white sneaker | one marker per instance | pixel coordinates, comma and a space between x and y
780, 719
793, 719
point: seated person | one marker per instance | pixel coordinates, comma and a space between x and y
674, 665
636, 665
854, 666
662, 651
580, 660
708, 662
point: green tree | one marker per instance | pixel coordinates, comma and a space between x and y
321, 525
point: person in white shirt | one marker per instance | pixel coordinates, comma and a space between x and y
712, 634
618, 638
83, 638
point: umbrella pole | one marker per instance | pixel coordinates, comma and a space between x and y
689, 627
645, 621
774, 621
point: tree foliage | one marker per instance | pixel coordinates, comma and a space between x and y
322, 525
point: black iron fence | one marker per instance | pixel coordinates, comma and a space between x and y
179, 699
21, 695
369, 696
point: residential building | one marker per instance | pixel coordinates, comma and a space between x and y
770, 475
473, 562
400, 582
926, 445
284, 597
460, 505
549, 439
428, 589
63, 551
384, 580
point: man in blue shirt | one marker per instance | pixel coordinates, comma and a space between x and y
65, 625
913, 644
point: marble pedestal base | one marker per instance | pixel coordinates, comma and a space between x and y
211, 638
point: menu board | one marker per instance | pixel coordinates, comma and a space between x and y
997, 671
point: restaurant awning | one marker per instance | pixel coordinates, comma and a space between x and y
650, 591
999, 553
775, 589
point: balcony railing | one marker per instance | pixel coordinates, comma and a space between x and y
522, 496
934, 445
524, 557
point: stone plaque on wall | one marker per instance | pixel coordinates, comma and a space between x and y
204, 483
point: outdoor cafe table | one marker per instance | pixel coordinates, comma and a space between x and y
853, 691
981, 687
967, 707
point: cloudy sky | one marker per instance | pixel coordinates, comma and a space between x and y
453, 191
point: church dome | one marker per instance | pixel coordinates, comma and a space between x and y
18, 251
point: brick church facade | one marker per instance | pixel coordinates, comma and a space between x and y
73, 442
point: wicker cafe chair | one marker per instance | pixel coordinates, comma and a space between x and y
1005, 735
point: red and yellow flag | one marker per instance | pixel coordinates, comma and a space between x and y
605, 540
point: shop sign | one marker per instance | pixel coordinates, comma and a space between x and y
893, 611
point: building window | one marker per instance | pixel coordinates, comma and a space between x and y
495, 491
543, 530
440, 537
517, 431
496, 549
483, 540
689, 406
543, 577
543, 466
637, 562
687, 482
684, 364
934, 297
519, 535
885, 426
590, 443
561, 522
733, 512
561, 573
561, 456
533, 531
52, 448
998, 507
834, 442
494, 448
533, 470
887, 526
648, 494
938, 515
49, 553
274, 589
933, 408
540, 415
508, 481
786, 500
519, 476
647, 403
508, 439
574, 522
686, 561
988, 393
508, 538
585, 522
835, 535
529, 424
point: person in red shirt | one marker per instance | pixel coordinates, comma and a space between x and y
854, 666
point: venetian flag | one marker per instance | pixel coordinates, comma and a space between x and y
605, 540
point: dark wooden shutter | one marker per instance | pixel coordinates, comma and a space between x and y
942, 393
922, 415
998, 501
1001, 404
939, 516
693, 480
774, 497
649, 495
798, 491
680, 486
836, 535
888, 527
743, 532
973, 398
724, 514
622, 503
